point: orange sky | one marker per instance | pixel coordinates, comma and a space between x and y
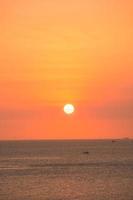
54, 52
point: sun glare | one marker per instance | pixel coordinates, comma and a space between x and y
69, 109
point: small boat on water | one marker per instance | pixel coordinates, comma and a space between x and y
86, 152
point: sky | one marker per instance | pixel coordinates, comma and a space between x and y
54, 52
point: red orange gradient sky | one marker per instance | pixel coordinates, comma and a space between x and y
54, 52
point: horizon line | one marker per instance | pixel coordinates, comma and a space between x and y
67, 139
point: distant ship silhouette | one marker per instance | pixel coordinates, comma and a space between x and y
113, 141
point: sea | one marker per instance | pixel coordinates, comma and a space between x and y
66, 170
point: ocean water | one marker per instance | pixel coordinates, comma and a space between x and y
61, 170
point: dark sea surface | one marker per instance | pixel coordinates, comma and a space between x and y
63, 170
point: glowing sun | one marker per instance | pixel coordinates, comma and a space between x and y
69, 109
